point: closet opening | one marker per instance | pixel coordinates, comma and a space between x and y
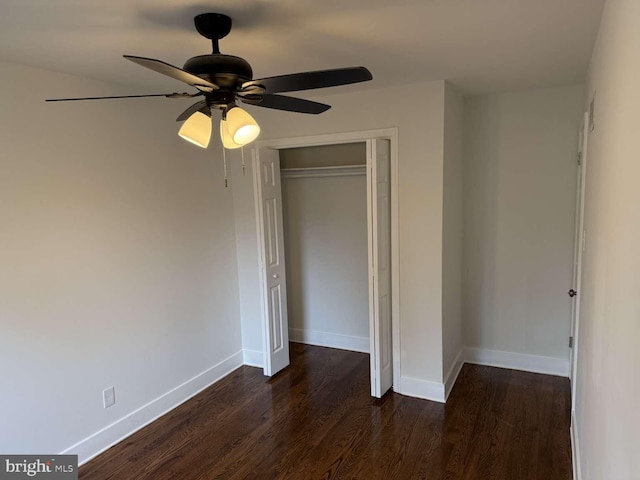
327, 244
324, 204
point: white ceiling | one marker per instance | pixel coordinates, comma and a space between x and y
480, 45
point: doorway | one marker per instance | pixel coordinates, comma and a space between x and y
382, 250
324, 203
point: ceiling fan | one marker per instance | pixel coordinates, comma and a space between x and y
223, 80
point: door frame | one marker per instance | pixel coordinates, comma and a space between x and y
579, 240
390, 134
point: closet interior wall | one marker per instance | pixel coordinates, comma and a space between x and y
324, 196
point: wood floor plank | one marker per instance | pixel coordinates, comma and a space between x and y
316, 420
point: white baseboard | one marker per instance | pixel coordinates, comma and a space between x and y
110, 435
575, 448
439, 392
119, 430
428, 390
452, 375
414, 387
333, 340
253, 358
517, 361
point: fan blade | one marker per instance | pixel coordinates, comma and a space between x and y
173, 72
196, 107
282, 102
184, 95
310, 80
167, 95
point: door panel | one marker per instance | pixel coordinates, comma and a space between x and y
276, 315
379, 209
272, 261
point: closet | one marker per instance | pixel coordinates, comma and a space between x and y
324, 204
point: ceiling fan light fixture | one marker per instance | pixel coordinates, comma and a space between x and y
227, 141
197, 129
242, 127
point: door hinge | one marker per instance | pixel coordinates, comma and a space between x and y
570, 342
579, 158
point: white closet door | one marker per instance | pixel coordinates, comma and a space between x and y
379, 215
274, 293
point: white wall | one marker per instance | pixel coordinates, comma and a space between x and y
336, 155
325, 232
452, 232
117, 261
418, 112
519, 204
607, 423
247, 256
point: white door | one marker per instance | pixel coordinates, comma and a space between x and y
578, 249
272, 266
379, 217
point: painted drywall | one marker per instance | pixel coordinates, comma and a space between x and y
452, 227
325, 238
247, 260
117, 258
417, 111
607, 420
519, 208
340, 155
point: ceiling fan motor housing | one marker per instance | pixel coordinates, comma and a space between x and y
226, 71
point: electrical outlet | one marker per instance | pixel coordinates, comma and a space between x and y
108, 397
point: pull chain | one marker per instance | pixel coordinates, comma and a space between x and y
244, 171
224, 161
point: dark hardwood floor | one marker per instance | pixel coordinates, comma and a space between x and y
316, 420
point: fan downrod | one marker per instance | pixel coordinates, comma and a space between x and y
213, 26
